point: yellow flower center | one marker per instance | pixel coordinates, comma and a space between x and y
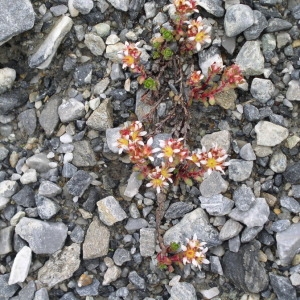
190, 254
122, 141
157, 182
168, 151
164, 173
200, 36
211, 163
129, 60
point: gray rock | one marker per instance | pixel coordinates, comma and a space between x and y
251, 113
243, 197
278, 162
135, 7
269, 134
244, 270
25, 197
29, 176
249, 233
136, 280
6, 235
214, 7
94, 43
230, 229
96, 241
77, 234
177, 210
78, 184
147, 241
250, 59
71, 110
238, 17
268, 45
59, 10
135, 224
46, 208
83, 155
101, 86
293, 92
240, 170
83, 6
183, 291
8, 188
49, 118
11, 100
212, 185
102, 30
27, 120
150, 9
195, 222
296, 190
110, 211
290, 204
117, 72
68, 296
28, 291
43, 56
111, 275
234, 244
6, 290
41, 294
3, 202
83, 74
60, 266
102, 117
68, 170
141, 108
276, 24
3, 152
89, 290
247, 153
160, 19
49, 189
296, 12
122, 5
112, 135
260, 23
257, 215
133, 185
216, 205
209, 56
282, 287
7, 77
21, 265
280, 225
39, 162
262, 89
220, 138
121, 256
229, 44
292, 173
15, 18
34, 231
215, 265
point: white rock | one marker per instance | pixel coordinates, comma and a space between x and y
66, 138
21, 265
29, 176
73, 11
120, 4
7, 78
133, 185
94, 43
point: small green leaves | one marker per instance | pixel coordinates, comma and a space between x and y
150, 84
167, 34
167, 53
174, 247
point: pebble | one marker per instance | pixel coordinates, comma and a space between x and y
83, 155
7, 78
237, 18
214, 184
12, 99
79, 182
213, 7
220, 138
247, 153
121, 256
177, 210
251, 113
29, 176
240, 170
6, 235
260, 23
182, 291
136, 280
280, 225
111, 275
293, 91
262, 89
230, 229
210, 293
133, 185
276, 24
89, 290
217, 205
290, 204
46, 208
122, 5
83, 6
282, 287
278, 162
147, 241
243, 197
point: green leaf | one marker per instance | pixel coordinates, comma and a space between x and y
188, 181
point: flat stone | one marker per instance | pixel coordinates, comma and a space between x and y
260, 23
290, 204
11, 100
133, 185
240, 170
79, 182
212, 185
147, 241
247, 153
178, 209
270, 134
27, 121
6, 290
292, 173
83, 155
280, 225
220, 138
94, 43
237, 18
71, 110
41, 294
135, 224
39, 162
226, 99
34, 231
244, 270
216, 205
96, 241
110, 211
43, 56
262, 89
183, 291
28, 291
230, 229
293, 92
6, 235
243, 197
214, 7
257, 215
195, 222
15, 18
282, 287
8, 188
61, 266
276, 24
122, 5
21, 265
250, 59
49, 189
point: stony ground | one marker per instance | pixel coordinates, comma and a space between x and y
76, 224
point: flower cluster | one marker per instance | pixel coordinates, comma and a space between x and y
193, 252
176, 162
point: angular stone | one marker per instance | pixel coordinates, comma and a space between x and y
42, 58
135, 224
257, 215
6, 290
141, 108
216, 205
244, 270
250, 59
8, 188
6, 235
49, 189
28, 291
288, 243
21, 265
212, 185
95, 43
243, 197
83, 6
11, 100
276, 24
52, 235
133, 185
260, 23
121, 256
278, 162
238, 17
41, 294
61, 266
195, 222
136, 280
49, 118
262, 89
282, 287
220, 138
89, 290
147, 241
230, 229
46, 208
71, 110
110, 211
269, 134
39, 162
178, 209
293, 92
7, 78
27, 120
247, 153
183, 291
15, 17
78, 184
83, 155
25, 197
122, 5
214, 7
240, 170
292, 173
96, 241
